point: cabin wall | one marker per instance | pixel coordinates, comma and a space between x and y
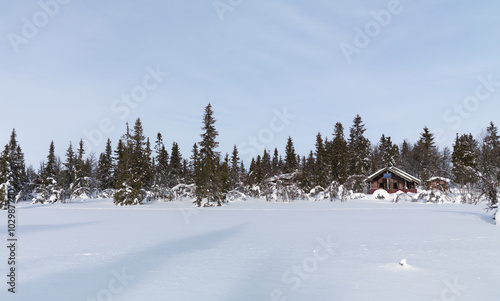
395, 183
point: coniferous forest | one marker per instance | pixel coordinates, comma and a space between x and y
137, 169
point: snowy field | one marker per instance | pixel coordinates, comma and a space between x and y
255, 250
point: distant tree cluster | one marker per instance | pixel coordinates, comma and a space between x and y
137, 171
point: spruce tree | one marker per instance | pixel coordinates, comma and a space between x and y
338, 154
464, 160
358, 148
405, 159
235, 169
69, 173
140, 165
489, 165
15, 158
6, 180
388, 152
176, 166
105, 168
81, 185
321, 163
267, 166
196, 173
161, 166
276, 169
209, 185
426, 154
307, 177
291, 164
225, 175
50, 185
133, 168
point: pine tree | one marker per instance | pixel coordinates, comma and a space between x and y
291, 163
209, 185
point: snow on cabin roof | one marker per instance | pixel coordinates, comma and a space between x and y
396, 171
440, 178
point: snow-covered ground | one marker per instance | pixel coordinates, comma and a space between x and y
253, 250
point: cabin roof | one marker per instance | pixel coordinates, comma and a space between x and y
395, 171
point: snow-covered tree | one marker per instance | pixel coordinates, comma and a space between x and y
80, 188
489, 166
50, 188
388, 150
133, 167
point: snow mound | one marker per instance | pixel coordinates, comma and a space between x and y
381, 194
401, 266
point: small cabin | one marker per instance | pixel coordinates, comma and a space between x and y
392, 180
438, 183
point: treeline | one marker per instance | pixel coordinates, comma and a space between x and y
139, 170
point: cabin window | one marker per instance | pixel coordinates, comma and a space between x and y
394, 185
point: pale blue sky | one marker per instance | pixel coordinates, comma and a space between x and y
421, 67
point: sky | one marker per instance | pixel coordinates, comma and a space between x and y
74, 70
